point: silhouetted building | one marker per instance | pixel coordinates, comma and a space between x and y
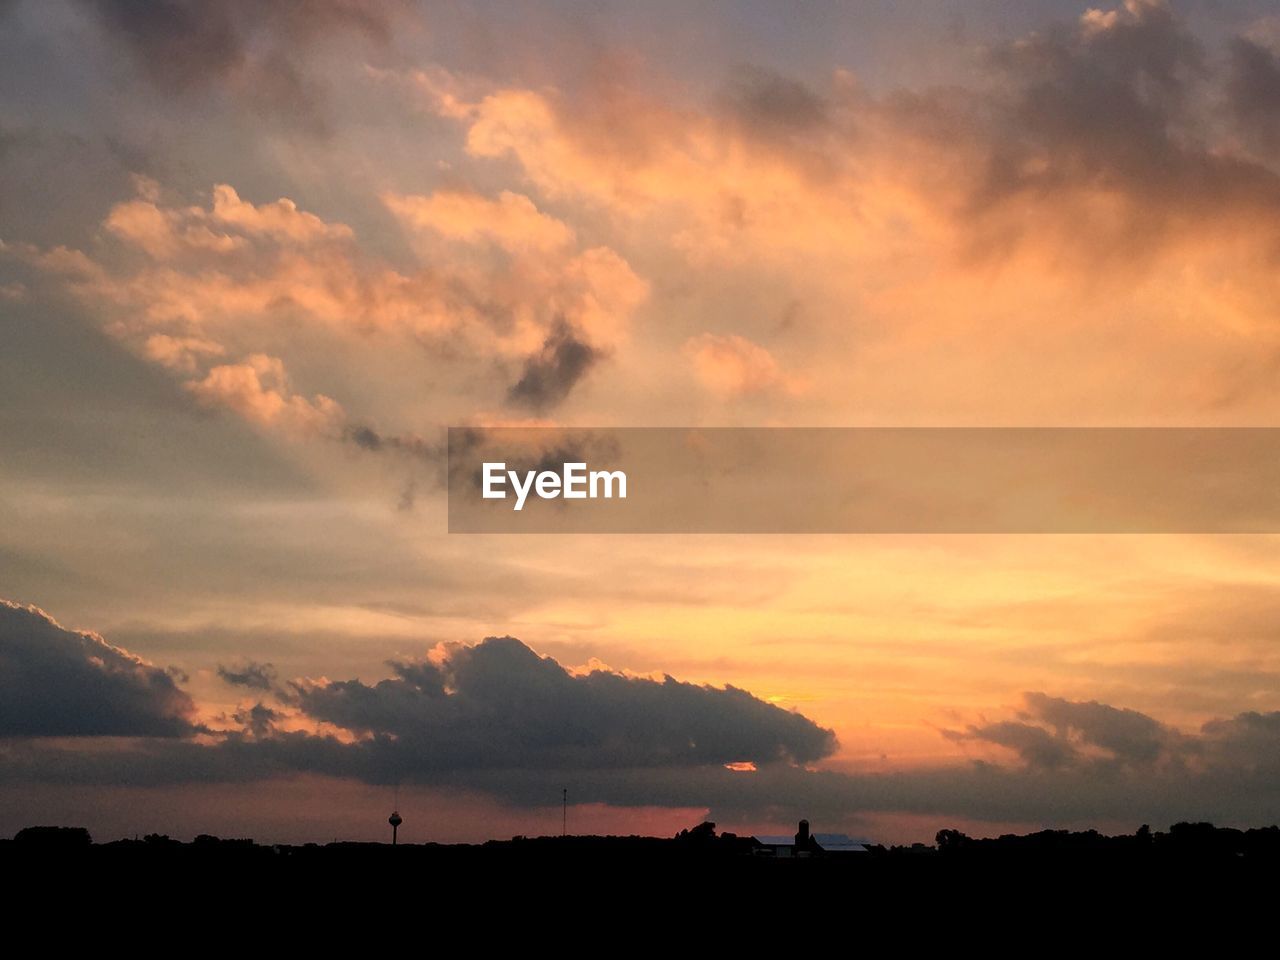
806, 844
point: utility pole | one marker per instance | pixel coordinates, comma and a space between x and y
564, 812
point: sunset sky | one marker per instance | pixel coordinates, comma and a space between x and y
255, 258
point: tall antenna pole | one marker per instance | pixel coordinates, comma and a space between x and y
564, 812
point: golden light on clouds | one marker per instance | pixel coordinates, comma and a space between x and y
247, 287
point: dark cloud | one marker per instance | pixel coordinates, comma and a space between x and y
189, 45
258, 720
364, 437
1236, 779
1110, 106
1126, 734
783, 114
1112, 93
553, 371
176, 42
1052, 733
769, 103
1248, 740
1036, 746
500, 705
59, 683
499, 720
1253, 93
368, 438
276, 87
255, 676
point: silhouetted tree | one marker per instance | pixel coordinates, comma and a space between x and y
60, 838
949, 841
704, 832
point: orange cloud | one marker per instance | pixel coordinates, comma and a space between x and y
257, 389
226, 279
180, 353
281, 220
733, 366
511, 221
163, 233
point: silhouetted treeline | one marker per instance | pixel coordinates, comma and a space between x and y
558, 883
1181, 841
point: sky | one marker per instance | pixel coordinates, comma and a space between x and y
255, 259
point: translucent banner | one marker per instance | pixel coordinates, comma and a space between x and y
864, 480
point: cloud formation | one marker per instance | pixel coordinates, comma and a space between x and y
56, 682
499, 719
1080, 228
498, 705
254, 675
1253, 93
1083, 157
1084, 133
549, 375
1052, 733
1086, 162
733, 366
248, 49
217, 285
258, 390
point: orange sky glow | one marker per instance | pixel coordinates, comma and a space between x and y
250, 273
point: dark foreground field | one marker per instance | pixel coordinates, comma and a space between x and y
1188, 867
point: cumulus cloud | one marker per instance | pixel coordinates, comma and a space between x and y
1230, 773
258, 390
512, 221
499, 705
56, 682
281, 219
218, 283
462, 711
1085, 145
499, 719
165, 233
1083, 153
734, 366
544, 280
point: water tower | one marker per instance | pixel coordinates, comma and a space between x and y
395, 820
